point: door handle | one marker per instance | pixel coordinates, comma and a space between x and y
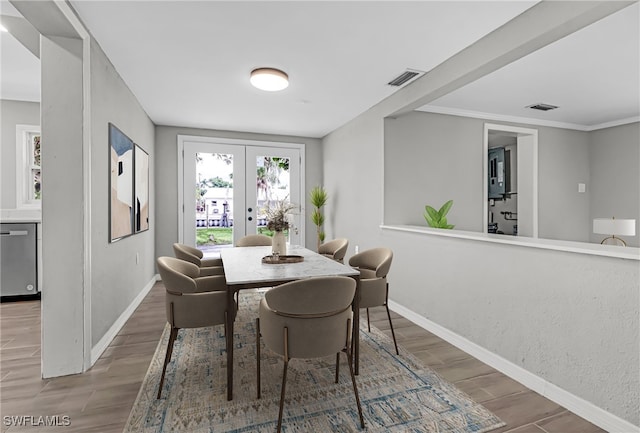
15, 233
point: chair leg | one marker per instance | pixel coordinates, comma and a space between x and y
167, 358
258, 356
368, 321
348, 351
393, 334
337, 366
284, 378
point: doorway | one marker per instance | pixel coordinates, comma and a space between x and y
226, 186
510, 180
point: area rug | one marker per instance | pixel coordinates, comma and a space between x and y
398, 393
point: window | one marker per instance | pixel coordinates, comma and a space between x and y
28, 166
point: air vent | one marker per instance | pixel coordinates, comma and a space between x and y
542, 107
403, 78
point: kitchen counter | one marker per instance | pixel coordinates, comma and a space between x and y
20, 216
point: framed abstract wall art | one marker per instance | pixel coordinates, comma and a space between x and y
141, 190
120, 184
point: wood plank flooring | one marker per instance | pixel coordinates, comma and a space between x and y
100, 399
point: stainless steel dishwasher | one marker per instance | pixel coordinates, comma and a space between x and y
18, 260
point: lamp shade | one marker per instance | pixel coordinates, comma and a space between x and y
269, 79
614, 226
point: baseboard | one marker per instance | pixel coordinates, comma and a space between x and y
592, 413
101, 346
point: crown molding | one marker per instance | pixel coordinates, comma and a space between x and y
526, 120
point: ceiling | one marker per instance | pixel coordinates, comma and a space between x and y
592, 76
20, 69
188, 63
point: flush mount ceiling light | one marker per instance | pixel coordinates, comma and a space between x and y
269, 79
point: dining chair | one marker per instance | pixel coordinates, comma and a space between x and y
334, 249
374, 266
195, 256
256, 240
309, 318
192, 300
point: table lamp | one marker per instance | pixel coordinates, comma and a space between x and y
614, 227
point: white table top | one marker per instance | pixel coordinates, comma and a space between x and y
243, 265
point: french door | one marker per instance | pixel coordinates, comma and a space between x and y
228, 184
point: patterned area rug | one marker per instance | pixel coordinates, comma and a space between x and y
398, 393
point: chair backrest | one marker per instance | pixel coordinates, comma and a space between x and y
316, 312
186, 305
373, 263
190, 254
254, 241
178, 275
336, 249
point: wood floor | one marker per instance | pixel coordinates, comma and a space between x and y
100, 400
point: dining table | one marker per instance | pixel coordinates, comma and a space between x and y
244, 268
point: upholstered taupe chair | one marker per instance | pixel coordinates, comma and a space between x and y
308, 318
192, 300
195, 256
254, 241
335, 249
374, 266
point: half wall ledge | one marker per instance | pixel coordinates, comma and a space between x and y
627, 253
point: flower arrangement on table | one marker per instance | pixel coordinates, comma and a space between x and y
278, 215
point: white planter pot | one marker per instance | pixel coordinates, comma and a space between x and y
279, 244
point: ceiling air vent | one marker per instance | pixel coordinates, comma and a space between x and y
542, 107
406, 76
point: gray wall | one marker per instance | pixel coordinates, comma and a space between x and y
431, 158
563, 162
569, 318
90, 283
353, 177
615, 177
12, 113
117, 278
167, 182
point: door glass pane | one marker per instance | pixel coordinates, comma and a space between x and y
273, 184
214, 201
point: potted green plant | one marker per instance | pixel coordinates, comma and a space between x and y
318, 199
438, 218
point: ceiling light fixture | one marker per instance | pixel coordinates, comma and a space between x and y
3, 28
269, 79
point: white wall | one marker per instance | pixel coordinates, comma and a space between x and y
166, 165
12, 113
